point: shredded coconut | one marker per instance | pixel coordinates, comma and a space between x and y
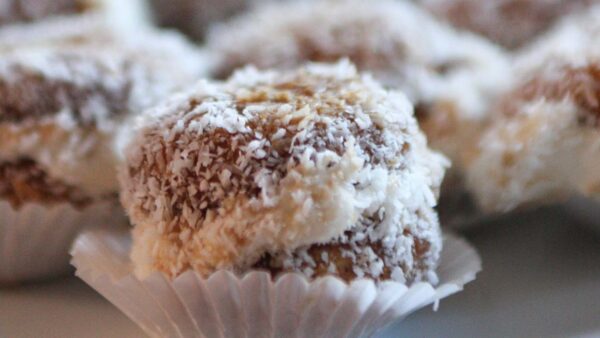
545, 142
271, 163
449, 76
62, 101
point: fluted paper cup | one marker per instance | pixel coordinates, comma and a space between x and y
35, 239
253, 305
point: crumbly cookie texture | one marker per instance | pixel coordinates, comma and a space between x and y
449, 76
545, 143
62, 104
268, 168
511, 23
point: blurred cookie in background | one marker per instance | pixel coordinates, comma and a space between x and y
511, 23
193, 17
65, 94
12, 11
27, 11
544, 145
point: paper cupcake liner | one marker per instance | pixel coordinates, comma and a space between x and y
35, 240
226, 305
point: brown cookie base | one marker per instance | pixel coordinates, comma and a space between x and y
344, 265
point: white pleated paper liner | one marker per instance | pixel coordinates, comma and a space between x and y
35, 239
226, 305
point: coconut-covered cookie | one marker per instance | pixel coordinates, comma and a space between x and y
511, 23
59, 111
65, 92
317, 170
170, 53
80, 22
194, 17
448, 75
60, 106
13, 11
570, 39
27, 11
545, 142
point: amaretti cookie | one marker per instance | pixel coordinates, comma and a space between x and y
511, 23
319, 171
545, 144
450, 76
60, 109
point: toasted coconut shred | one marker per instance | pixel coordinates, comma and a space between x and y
256, 171
449, 76
61, 106
546, 141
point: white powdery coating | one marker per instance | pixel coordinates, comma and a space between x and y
448, 74
528, 159
268, 162
549, 147
104, 78
163, 49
